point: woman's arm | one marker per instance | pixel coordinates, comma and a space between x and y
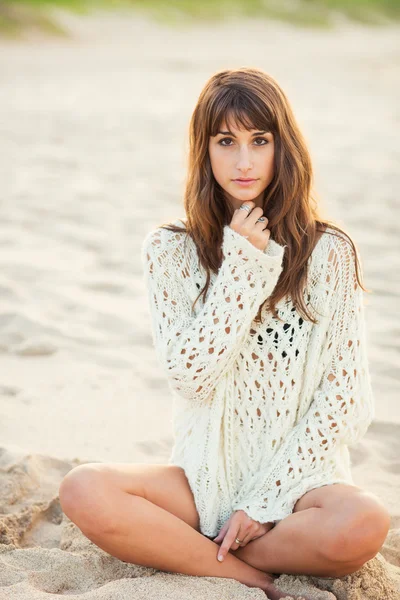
195, 352
341, 410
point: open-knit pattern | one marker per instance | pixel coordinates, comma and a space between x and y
263, 412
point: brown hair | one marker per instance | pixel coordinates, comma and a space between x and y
254, 100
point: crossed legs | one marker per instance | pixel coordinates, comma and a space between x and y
145, 514
332, 532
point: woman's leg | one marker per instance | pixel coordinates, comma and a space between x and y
145, 514
332, 532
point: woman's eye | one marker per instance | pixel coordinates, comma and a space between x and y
225, 140
230, 140
263, 140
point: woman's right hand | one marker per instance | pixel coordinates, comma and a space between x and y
245, 223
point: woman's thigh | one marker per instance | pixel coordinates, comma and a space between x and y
164, 485
338, 496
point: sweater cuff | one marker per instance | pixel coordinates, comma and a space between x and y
278, 509
272, 514
273, 249
272, 256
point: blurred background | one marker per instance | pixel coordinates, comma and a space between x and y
95, 102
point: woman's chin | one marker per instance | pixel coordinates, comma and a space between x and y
245, 195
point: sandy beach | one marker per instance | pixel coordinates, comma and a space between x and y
92, 156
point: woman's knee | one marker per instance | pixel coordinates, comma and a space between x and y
80, 492
361, 532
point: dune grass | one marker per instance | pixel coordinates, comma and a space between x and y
307, 10
16, 15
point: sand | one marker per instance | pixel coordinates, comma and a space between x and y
92, 149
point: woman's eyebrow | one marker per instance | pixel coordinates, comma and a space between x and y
233, 135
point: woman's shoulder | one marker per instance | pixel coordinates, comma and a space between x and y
331, 238
335, 258
163, 239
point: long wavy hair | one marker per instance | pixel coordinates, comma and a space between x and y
252, 99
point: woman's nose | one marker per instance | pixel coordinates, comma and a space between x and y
244, 159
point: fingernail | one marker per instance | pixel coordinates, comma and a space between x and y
220, 557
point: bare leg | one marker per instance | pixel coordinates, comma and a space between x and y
146, 534
295, 545
344, 529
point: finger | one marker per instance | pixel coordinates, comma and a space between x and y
249, 203
254, 535
246, 222
227, 543
246, 539
255, 214
261, 224
238, 536
241, 214
222, 531
221, 534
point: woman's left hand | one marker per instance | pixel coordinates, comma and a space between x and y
241, 526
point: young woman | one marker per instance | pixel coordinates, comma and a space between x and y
258, 323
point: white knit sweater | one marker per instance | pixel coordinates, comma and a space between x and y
263, 413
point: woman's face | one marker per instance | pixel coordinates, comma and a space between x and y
242, 154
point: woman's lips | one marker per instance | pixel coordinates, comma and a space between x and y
244, 183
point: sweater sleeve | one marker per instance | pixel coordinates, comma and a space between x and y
196, 351
340, 412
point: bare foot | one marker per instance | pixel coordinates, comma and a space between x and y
273, 593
